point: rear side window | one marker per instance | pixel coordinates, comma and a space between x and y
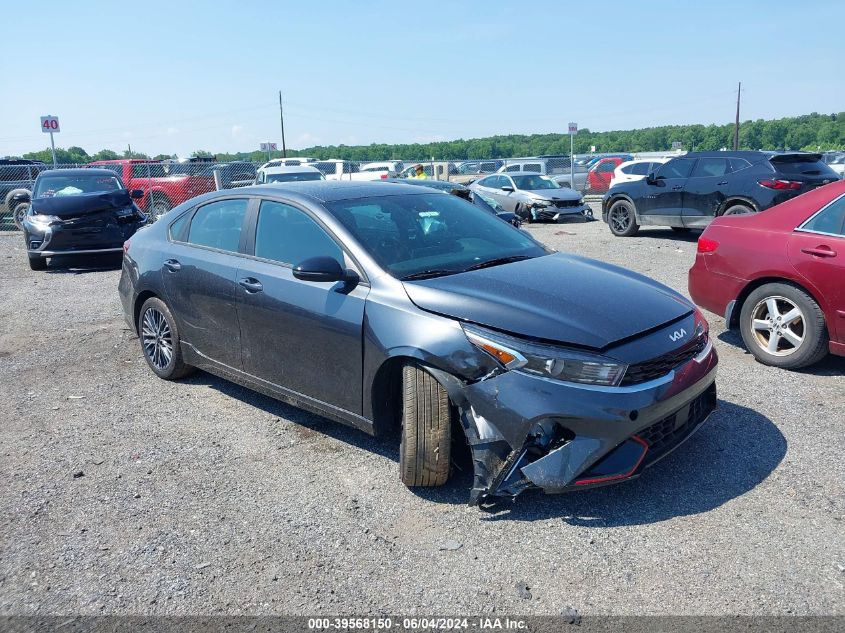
513, 168
287, 235
219, 224
830, 220
676, 168
711, 167
638, 169
738, 164
532, 167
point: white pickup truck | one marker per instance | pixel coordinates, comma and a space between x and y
348, 170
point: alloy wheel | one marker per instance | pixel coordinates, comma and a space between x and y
620, 218
156, 338
777, 325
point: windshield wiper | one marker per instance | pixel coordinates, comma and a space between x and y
498, 261
427, 274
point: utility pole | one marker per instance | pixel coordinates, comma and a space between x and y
736, 125
282, 121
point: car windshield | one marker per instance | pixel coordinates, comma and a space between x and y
533, 183
294, 176
54, 186
431, 234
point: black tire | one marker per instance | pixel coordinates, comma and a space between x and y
622, 219
681, 229
38, 263
18, 214
738, 208
783, 352
424, 452
159, 206
154, 332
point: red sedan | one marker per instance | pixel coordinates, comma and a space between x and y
780, 276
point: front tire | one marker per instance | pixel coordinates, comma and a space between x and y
424, 452
783, 326
160, 205
160, 341
622, 219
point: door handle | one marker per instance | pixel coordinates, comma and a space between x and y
251, 284
677, 187
172, 265
820, 251
722, 182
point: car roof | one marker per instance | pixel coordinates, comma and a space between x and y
334, 190
79, 171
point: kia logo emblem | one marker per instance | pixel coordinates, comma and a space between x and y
677, 335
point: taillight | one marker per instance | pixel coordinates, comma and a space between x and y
706, 245
126, 247
383, 176
781, 184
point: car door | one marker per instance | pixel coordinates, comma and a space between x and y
199, 278
491, 188
817, 252
507, 199
299, 335
705, 191
662, 199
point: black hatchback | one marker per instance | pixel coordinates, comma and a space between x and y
689, 191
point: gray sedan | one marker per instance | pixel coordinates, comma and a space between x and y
533, 197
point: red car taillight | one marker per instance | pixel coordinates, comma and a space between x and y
781, 184
383, 176
706, 245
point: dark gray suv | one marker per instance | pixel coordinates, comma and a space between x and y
386, 306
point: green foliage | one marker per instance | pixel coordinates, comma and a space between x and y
813, 132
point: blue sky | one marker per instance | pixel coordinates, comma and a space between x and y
173, 77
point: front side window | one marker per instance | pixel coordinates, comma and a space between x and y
148, 170
288, 235
219, 224
676, 168
830, 220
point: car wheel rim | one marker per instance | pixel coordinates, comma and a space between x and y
157, 339
778, 326
20, 213
160, 208
620, 218
739, 211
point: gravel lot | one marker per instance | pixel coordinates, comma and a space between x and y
122, 493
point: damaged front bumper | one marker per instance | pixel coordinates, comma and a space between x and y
532, 432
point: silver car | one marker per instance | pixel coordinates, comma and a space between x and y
533, 197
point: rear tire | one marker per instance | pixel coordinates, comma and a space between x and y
783, 326
159, 206
738, 209
38, 263
19, 213
424, 452
160, 343
622, 219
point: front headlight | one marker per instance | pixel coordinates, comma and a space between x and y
42, 221
549, 361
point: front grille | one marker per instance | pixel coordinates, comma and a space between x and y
664, 435
662, 365
566, 203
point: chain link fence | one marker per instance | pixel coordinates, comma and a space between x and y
165, 184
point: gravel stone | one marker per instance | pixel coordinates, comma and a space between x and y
745, 518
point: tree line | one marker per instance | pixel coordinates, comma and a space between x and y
811, 132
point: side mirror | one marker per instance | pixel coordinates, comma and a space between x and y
136, 194
651, 178
23, 196
507, 188
323, 269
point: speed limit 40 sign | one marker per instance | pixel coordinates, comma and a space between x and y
50, 124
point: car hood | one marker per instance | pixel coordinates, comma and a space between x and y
564, 193
82, 204
561, 298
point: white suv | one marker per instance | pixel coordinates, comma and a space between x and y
635, 170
